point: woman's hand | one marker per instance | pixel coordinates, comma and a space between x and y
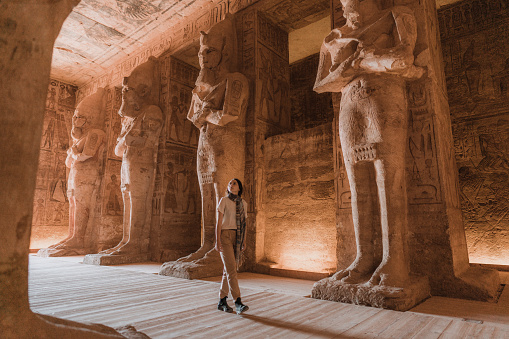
218, 246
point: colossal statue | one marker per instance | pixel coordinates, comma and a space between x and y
137, 144
217, 109
369, 61
84, 159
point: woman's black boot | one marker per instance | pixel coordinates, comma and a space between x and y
240, 306
223, 306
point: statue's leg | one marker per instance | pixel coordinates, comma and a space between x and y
126, 224
361, 176
393, 270
205, 165
72, 209
208, 216
82, 201
391, 183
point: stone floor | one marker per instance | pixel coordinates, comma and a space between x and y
165, 307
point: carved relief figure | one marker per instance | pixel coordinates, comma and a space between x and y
137, 145
84, 158
368, 61
218, 106
170, 197
113, 204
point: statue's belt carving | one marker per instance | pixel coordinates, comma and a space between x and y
365, 152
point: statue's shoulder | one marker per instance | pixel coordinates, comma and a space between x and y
401, 11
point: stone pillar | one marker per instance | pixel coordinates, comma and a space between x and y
85, 163
176, 204
138, 143
263, 49
218, 109
435, 239
25, 61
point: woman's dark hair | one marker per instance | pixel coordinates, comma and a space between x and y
241, 189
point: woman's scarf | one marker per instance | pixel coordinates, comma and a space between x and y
241, 226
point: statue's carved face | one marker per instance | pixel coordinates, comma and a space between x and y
211, 51
83, 118
131, 101
359, 12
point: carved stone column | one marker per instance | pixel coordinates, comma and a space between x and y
25, 62
434, 241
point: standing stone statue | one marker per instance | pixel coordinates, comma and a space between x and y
369, 61
84, 158
217, 109
137, 144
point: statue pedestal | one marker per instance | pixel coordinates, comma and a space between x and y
394, 298
210, 265
108, 259
61, 252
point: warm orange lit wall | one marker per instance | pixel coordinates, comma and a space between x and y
475, 45
300, 231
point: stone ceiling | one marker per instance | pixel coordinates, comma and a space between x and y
99, 34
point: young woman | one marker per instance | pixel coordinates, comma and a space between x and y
231, 242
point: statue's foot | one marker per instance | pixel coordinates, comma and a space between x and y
389, 273
200, 253
357, 272
63, 251
126, 249
32, 325
113, 249
58, 244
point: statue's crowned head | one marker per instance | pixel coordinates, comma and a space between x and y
137, 89
89, 114
217, 52
358, 13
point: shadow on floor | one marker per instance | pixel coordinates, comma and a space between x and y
280, 324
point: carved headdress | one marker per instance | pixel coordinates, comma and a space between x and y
91, 107
144, 80
222, 37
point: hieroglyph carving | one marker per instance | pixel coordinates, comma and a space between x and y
137, 145
84, 159
218, 106
369, 61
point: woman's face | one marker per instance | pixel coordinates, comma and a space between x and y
233, 186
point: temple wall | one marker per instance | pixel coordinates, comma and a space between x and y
299, 204
51, 207
308, 108
475, 45
176, 206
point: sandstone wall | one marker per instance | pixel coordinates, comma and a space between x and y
308, 108
51, 207
299, 204
176, 207
475, 45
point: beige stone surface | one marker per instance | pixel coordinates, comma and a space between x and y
475, 57
166, 307
299, 204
